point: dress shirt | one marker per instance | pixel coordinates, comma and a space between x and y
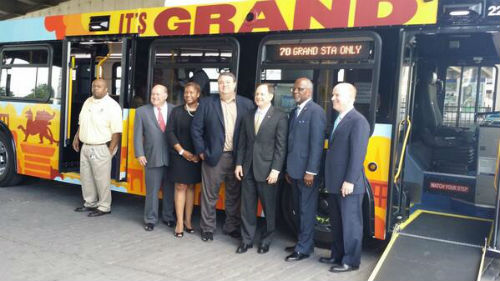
230, 113
164, 112
301, 106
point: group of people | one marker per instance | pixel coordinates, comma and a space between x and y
225, 138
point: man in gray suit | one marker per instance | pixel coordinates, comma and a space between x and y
151, 150
260, 159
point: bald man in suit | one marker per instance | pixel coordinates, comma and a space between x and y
151, 150
345, 180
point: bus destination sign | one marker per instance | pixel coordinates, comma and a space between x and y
325, 51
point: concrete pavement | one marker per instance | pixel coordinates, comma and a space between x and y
42, 238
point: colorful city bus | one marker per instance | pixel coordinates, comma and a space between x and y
425, 70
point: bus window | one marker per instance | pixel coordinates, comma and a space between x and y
24, 74
178, 61
116, 77
468, 90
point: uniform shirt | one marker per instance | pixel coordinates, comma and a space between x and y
99, 119
229, 112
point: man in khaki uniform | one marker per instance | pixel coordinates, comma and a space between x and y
100, 127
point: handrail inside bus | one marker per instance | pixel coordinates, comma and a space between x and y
101, 62
70, 95
405, 142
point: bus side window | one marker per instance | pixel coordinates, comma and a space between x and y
24, 73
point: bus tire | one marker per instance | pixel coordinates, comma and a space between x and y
322, 231
8, 173
287, 212
323, 237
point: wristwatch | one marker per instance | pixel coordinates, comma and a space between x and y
181, 152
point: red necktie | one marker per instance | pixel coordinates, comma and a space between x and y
161, 121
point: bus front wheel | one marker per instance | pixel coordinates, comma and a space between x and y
322, 230
8, 173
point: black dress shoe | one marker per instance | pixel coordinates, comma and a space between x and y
149, 226
98, 213
342, 268
169, 223
296, 256
330, 261
85, 209
205, 236
263, 249
179, 234
290, 249
242, 248
235, 234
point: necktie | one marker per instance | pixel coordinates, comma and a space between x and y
337, 121
257, 122
161, 121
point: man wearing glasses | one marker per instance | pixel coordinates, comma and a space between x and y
306, 133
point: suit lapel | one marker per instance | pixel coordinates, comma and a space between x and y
306, 107
151, 113
264, 121
238, 110
344, 120
218, 109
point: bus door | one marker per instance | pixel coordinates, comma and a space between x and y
88, 59
326, 59
450, 154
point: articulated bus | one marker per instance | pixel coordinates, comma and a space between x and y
426, 71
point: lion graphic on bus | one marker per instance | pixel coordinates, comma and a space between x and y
38, 125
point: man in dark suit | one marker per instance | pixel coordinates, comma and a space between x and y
345, 179
306, 134
151, 150
215, 131
260, 159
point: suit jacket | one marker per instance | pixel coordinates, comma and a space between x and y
149, 140
207, 128
265, 151
306, 136
346, 154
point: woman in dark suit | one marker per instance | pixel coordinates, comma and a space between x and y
185, 166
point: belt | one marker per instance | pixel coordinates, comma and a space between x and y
227, 152
95, 144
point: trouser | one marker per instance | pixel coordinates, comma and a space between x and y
211, 179
251, 192
346, 217
156, 178
95, 175
305, 201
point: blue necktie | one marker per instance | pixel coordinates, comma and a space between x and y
337, 121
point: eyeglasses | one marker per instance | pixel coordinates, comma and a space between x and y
298, 89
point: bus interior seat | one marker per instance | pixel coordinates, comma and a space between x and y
452, 148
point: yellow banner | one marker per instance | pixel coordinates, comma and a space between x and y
251, 16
